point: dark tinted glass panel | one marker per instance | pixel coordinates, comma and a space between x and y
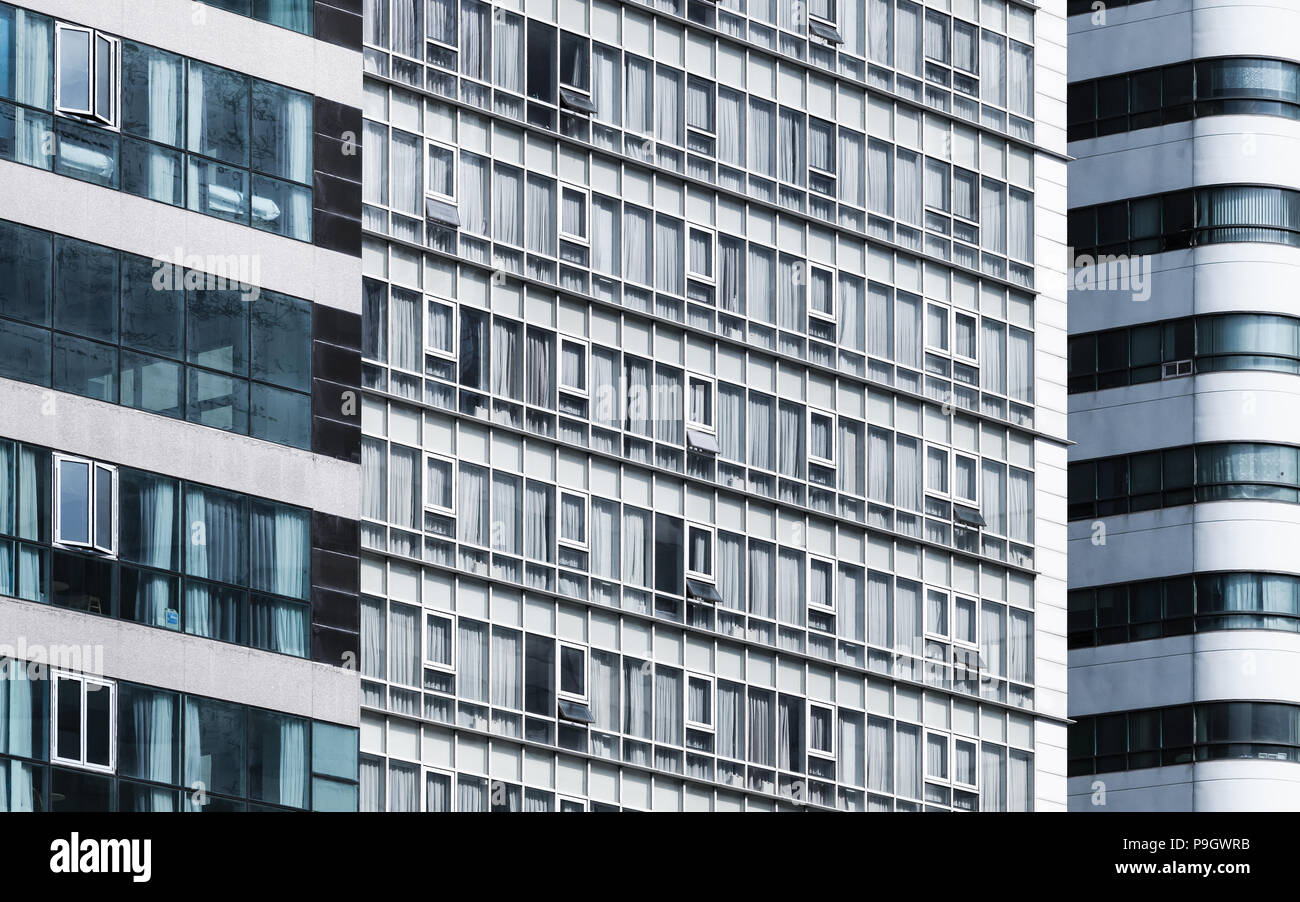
26, 273
153, 307
85, 289
214, 746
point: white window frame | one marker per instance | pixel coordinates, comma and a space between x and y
831, 609
83, 680
93, 469
428, 505
961, 642
560, 492
949, 469
929, 343
709, 277
713, 703
585, 241
561, 339
453, 354
710, 427
821, 753
832, 316
424, 786
835, 425
948, 615
455, 167
960, 499
114, 48
713, 551
948, 758
424, 654
952, 762
454, 47
586, 673
975, 320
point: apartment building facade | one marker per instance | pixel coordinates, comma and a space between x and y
179, 421
713, 406
1183, 605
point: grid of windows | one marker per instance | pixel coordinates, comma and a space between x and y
699, 390
153, 335
181, 132
295, 15
117, 746
1176, 606
126, 543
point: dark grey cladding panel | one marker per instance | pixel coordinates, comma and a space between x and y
339, 22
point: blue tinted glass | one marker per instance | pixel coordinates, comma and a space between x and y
281, 340
152, 384
85, 153
217, 401
153, 306
280, 416
24, 353
334, 750
153, 172
85, 368
217, 190
277, 758
85, 289
282, 208
26, 268
214, 746
218, 113
282, 132
218, 330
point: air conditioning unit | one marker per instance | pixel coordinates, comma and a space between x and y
1175, 368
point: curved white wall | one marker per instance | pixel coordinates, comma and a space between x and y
1238, 785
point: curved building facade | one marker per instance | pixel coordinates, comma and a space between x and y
1184, 613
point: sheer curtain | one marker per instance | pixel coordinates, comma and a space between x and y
404, 644
850, 604
909, 761
880, 465
604, 538
539, 521
407, 173
474, 193
852, 168
472, 660
790, 302
540, 222
669, 403
993, 493
731, 274
762, 137
408, 26
636, 697
993, 768
640, 95
670, 268
908, 187
761, 431
604, 689
1020, 648
475, 49
731, 422
155, 515
506, 504
880, 611
1020, 781
731, 126
437, 792
907, 620
472, 505
880, 321
636, 245
761, 727
507, 367
791, 446
507, 205
1020, 505
1020, 79
790, 587
668, 705
540, 364
852, 462
762, 284
908, 46
374, 638
404, 486
636, 547
880, 20
907, 473
605, 244
731, 720
791, 146
606, 84
1020, 225
508, 51
993, 638
880, 755
880, 177
731, 570
762, 578
372, 781
507, 674
993, 353
993, 215
790, 733
1020, 365
993, 67
374, 481
668, 105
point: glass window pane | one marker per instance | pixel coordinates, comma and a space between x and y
214, 747
218, 330
74, 501
218, 113
151, 383
282, 132
26, 269
217, 401
153, 306
99, 716
85, 289
277, 758
67, 720
85, 368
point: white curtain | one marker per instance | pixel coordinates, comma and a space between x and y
1020, 505
472, 660
1020, 781
993, 355
880, 177
408, 30
993, 67
668, 105
731, 422
791, 442
761, 727
669, 405
374, 641
1020, 649
407, 173
437, 792
670, 268
404, 488
474, 193
639, 400
472, 505
605, 388
852, 168
606, 84
852, 766
993, 496
475, 49
731, 720
993, 638
604, 538
731, 126
1020, 365
640, 95
790, 587
791, 147
762, 576
636, 547
637, 255
909, 761
908, 47
880, 465
907, 618
1020, 225
506, 504
908, 187
507, 369
507, 205
1020, 79
880, 755
539, 521
790, 303
604, 689
907, 473
540, 364
636, 697
993, 216
880, 19
850, 604
761, 432
404, 644
762, 284
731, 570
605, 244
508, 51
880, 611
762, 137
507, 675
540, 222
993, 768
668, 705
880, 325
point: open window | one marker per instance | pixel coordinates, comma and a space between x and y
936, 327
440, 642
821, 293
442, 172
699, 551
439, 483
821, 437
700, 402
821, 731
699, 702
936, 470
573, 365
574, 214
964, 336
88, 67
85, 504
572, 700
965, 478
699, 259
573, 519
83, 727
821, 584
440, 335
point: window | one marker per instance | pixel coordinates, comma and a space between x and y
439, 484
700, 409
442, 329
963, 476
700, 259
573, 672
573, 519
821, 731
85, 512
83, 730
821, 293
821, 583
87, 63
936, 470
821, 437
699, 702
573, 213
573, 365
440, 642
699, 560
442, 171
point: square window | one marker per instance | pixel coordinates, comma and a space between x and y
83, 729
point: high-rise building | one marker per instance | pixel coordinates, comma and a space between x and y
713, 366
180, 328
1184, 586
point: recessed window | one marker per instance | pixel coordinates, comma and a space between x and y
88, 65
442, 329
83, 729
85, 510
